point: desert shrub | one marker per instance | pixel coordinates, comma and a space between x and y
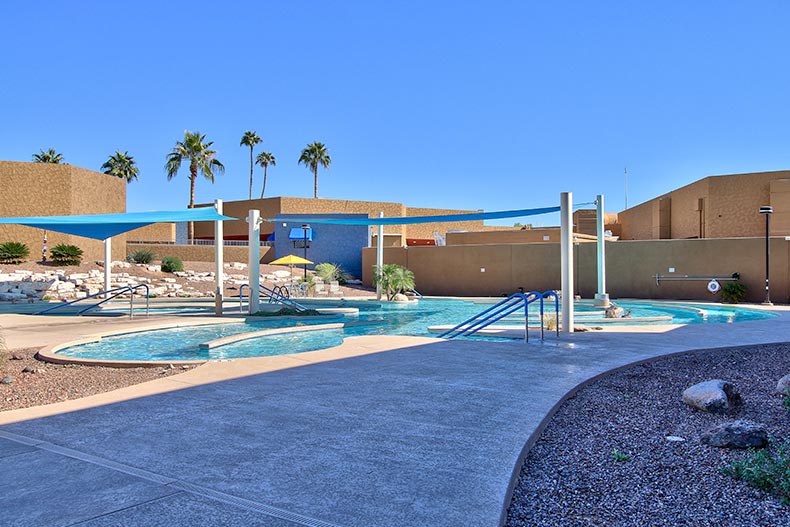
329, 272
733, 292
142, 256
66, 254
172, 264
766, 471
13, 252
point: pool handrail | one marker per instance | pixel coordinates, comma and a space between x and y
494, 313
117, 291
504, 308
273, 296
556, 311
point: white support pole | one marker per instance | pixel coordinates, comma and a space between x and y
601, 297
107, 264
379, 254
566, 259
219, 255
254, 230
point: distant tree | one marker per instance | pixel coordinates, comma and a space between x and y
201, 159
122, 166
250, 139
50, 156
315, 154
265, 159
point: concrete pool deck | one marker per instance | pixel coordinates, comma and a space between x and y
380, 431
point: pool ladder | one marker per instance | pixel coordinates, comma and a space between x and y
504, 308
111, 294
279, 294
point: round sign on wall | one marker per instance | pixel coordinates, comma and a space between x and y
714, 286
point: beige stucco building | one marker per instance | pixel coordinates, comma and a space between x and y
713, 207
43, 189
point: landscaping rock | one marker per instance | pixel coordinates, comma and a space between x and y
737, 434
783, 385
28, 369
400, 298
613, 312
7, 380
714, 396
17, 356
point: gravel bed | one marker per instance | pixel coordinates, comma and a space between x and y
51, 383
570, 477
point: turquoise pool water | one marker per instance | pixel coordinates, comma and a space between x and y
373, 319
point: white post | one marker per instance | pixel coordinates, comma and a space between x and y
107, 264
566, 259
601, 297
379, 254
219, 255
254, 237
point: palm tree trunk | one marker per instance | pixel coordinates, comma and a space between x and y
263, 190
251, 165
315, 180
192, 178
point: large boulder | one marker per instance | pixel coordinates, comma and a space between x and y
714, 396
400, 298
783, 385
737, 434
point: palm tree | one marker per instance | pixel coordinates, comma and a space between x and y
201, 159
50, 156
265, 159
122, 166
315, 154
394, 279
250, 139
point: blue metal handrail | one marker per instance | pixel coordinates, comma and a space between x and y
273, 295
415, 293
501, 310
116, 292
556, 311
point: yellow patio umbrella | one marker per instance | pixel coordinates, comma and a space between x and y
290, 261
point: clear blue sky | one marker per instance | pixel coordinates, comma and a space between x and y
491, 105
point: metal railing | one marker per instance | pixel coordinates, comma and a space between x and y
111, 294
687, 278
503, 309
228, 243
278, 295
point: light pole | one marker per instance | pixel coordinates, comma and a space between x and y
767, 211
305, 228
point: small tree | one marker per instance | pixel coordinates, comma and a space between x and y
394, 279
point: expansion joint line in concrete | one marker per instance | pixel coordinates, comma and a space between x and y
173, 483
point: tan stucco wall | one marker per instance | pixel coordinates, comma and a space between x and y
631, 267
730, 204
157, 232
201, 253
42, 189
504, 236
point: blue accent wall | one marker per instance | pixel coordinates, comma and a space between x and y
337, 244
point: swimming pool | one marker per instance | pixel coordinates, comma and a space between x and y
373, 319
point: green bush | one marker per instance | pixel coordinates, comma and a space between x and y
66, 254
766, 471
142, 256
172, 264
13, 252
329, 272
733, 292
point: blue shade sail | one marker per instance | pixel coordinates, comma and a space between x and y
407, 220
103, 226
